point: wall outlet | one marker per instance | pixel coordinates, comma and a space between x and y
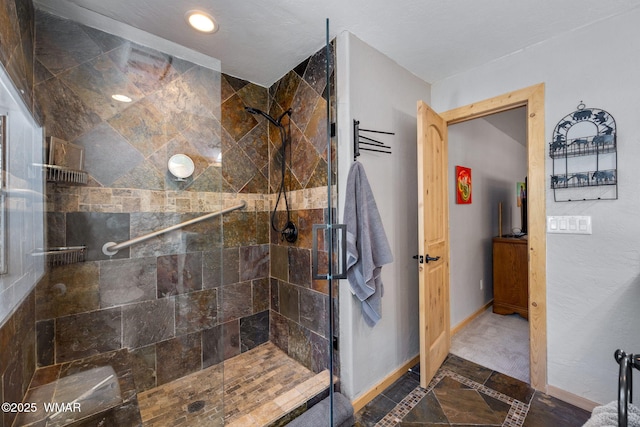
480, 284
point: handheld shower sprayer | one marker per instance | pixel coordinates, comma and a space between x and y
289, 232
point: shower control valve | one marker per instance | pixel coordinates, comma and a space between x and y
290, 232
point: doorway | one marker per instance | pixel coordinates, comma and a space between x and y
494, 149
533, 99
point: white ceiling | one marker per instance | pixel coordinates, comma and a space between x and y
261, 40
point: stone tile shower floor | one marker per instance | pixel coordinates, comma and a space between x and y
261, 387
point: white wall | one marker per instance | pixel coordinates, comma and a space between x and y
497, 162
383, 96
593, 281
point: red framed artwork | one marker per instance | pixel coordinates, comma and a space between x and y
463, 185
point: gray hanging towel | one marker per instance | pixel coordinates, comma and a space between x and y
367, 245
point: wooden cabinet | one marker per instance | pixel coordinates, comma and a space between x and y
510, 276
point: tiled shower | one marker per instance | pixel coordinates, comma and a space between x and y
190, 299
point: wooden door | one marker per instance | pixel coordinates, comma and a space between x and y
433, 242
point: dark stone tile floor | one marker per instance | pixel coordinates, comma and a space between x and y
463, 394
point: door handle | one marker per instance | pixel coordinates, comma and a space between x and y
430, 258
426, 258
341, 258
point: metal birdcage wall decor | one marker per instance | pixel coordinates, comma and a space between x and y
584, 153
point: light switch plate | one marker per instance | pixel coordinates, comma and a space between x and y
572, 224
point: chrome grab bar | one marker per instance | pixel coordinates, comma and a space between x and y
112, 248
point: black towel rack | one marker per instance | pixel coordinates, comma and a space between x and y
370, 143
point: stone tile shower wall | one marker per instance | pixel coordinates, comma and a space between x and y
299, 305
16, 49
297, 321
162, 299
188, 300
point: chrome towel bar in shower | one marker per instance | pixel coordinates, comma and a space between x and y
112, 248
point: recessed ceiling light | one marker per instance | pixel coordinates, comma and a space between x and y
121, 98
201, 21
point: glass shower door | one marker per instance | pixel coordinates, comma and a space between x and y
329, 238
154, 303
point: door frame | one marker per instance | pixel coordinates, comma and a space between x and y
532, 98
